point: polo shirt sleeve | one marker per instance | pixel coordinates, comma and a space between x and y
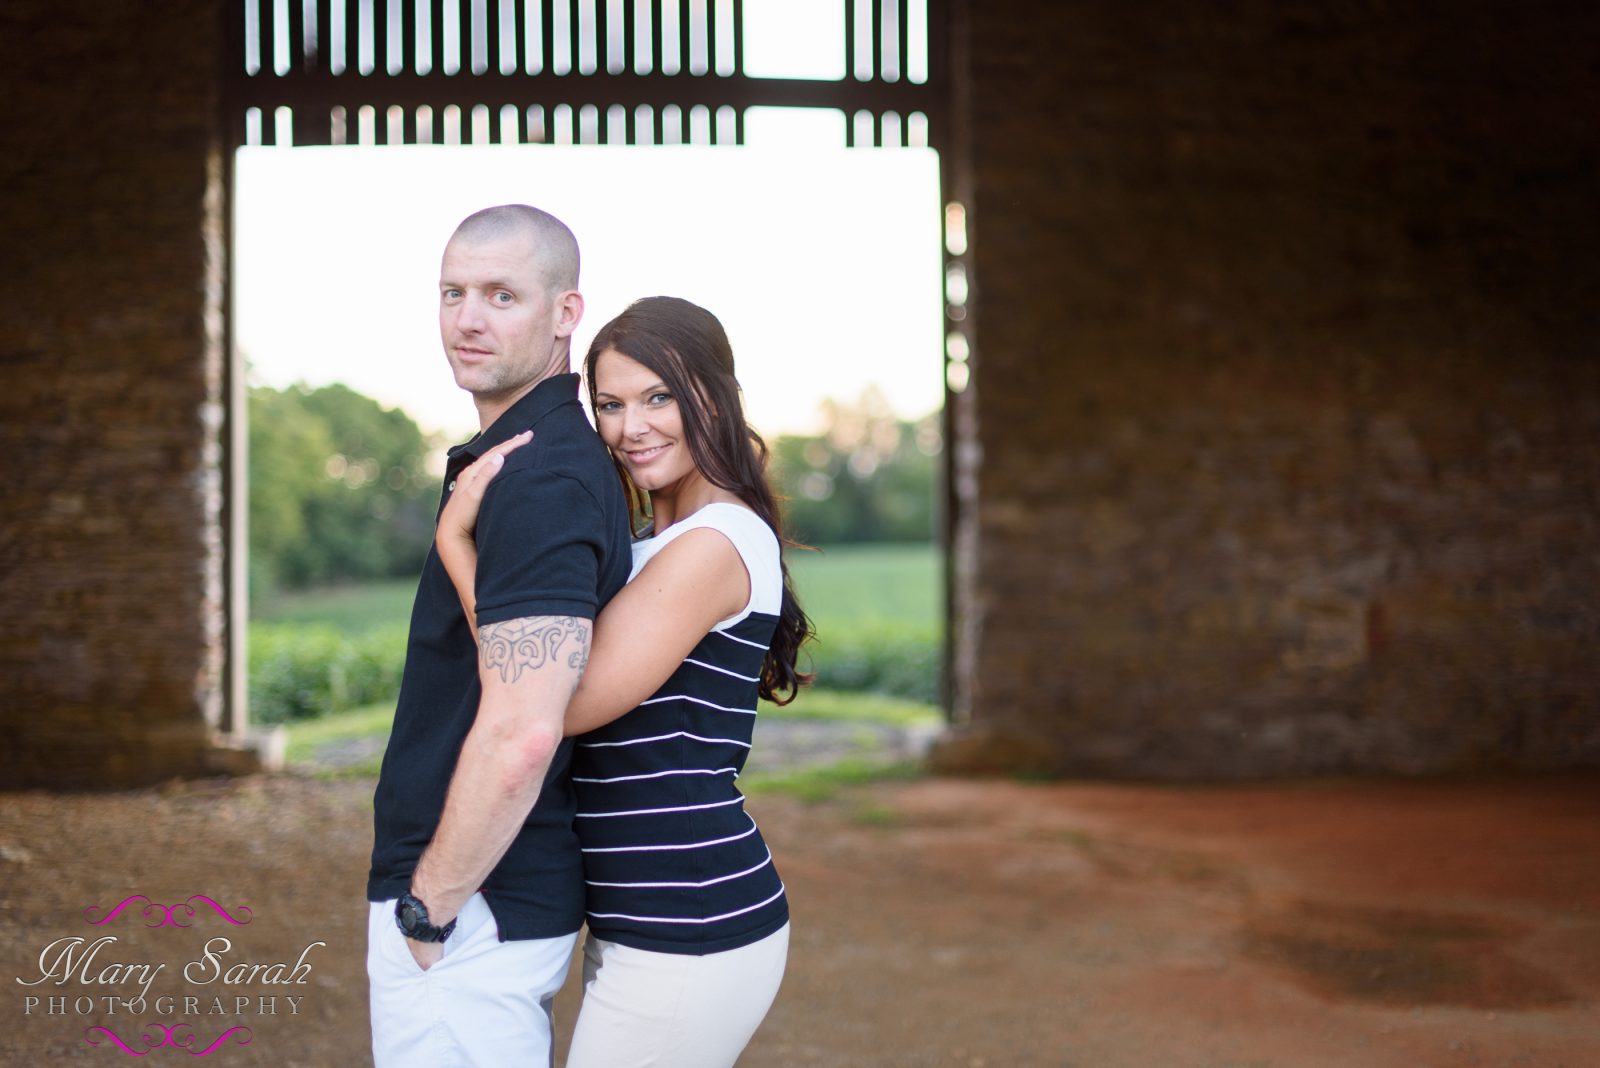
540, 547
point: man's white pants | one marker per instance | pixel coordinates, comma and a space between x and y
485, 1004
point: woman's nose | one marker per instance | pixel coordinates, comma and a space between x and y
633, 424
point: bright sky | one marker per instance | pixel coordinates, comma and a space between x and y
822, 262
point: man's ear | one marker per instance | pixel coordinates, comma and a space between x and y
569, 312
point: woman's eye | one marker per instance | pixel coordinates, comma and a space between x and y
609, 406
659, 399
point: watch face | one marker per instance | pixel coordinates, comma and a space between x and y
409, 917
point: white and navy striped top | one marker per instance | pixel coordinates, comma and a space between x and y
672, 861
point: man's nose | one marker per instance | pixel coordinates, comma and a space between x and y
470, 315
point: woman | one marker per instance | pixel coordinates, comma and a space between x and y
688, 923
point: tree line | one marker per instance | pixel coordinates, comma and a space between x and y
342, 490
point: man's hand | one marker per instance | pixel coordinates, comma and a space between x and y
426, 954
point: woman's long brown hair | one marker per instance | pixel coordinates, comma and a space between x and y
687, 346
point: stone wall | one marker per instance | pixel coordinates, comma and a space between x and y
109, 417
1282, 441
1286, 391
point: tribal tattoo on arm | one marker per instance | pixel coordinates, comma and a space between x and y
527, 644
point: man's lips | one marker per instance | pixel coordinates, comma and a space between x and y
468, 352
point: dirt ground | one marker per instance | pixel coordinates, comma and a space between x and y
1336, 924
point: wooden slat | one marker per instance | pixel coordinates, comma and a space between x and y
322, 30
435, 36
685, 37
655, 35
352, 37
270, 31
408, 36
629, 13
520, 13
713, 37
903, 43
547, 37
849, 39
294, 30
877, 42
491, 35
380, 38
325, 56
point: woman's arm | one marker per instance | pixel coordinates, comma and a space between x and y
646, 630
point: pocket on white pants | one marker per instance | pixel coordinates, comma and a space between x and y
395, 948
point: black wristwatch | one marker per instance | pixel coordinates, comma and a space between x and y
411, 916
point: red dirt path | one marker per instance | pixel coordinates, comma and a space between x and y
1333, 924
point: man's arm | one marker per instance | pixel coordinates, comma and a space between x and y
528, 668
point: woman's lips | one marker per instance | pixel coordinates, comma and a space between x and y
644, 456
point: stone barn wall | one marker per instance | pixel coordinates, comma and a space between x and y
1286, 391
109, 416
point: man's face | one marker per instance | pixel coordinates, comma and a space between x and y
499, 324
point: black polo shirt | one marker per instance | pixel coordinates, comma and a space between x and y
552, 541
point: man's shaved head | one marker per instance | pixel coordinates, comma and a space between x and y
554, 246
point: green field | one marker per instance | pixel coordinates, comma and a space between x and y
855, 584
876, 610
352, 609
840, 588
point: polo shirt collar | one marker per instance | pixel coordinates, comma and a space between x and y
539, 401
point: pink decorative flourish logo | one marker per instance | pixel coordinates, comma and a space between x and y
161, 915
179, 1036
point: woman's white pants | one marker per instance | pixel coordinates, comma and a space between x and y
643, 1009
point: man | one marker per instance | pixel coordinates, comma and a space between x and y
476, 879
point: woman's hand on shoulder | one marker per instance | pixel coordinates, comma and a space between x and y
459, 518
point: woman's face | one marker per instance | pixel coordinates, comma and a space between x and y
640, 422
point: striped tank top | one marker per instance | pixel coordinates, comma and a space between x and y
672, 861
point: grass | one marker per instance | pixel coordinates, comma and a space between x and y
850, 585
853, 707
351, 609
842, 588
868, 601
306, 736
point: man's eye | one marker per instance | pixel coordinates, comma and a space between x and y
451, 294
503, 298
